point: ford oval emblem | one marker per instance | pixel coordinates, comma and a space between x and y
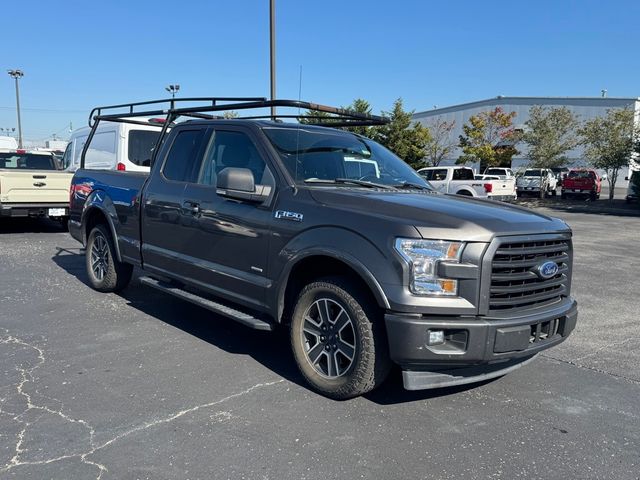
547, 269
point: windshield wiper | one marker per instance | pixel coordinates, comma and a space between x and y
410, 185
360, 183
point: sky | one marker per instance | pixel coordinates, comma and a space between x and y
77, 55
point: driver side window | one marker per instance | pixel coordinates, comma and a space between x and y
231, 149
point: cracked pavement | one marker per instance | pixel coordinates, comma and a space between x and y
141, 385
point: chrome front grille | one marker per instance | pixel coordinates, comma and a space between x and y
514, 280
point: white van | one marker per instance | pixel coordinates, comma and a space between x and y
115, 146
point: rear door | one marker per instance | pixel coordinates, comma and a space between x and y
165, 237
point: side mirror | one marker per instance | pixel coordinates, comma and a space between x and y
239, 184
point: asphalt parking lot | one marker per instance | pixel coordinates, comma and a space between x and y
141, 385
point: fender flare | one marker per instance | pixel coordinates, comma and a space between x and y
356, 265
98, 200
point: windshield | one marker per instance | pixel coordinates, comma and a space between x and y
331, 156
532, 173
27, 161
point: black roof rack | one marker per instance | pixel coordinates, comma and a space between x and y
206, 107
174, 107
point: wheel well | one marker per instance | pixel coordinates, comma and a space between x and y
316, 267
94, 217
464, 192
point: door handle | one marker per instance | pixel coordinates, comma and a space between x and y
192, 207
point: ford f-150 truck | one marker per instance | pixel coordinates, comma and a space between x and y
32, 186
329, 234
582, 182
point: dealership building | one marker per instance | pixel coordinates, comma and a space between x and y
584, 108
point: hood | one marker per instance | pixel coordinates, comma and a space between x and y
447, 217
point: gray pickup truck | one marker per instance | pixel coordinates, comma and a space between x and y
327, 233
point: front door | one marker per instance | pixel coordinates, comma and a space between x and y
229, 238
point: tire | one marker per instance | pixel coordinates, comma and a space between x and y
593, 196
554, 192
563, 195
108, 275
340, 357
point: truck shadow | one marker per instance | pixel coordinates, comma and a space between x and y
271, 349
29, 225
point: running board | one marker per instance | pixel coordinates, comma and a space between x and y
232, 313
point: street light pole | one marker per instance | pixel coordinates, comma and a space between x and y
16, 75
272, 34
173, 89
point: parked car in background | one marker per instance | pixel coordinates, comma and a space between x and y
456, 180
500, 188
533, 180
32, 185
633, 189
8, 143
560, 173
581, 182
115, 146
501, 172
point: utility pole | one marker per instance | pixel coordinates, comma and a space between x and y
272, 49
16, 75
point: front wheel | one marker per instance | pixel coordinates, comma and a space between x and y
338, 339
106, 273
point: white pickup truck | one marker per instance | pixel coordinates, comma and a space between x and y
457, 180
503, 183
32, 186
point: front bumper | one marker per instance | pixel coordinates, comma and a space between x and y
34, 210
481, 345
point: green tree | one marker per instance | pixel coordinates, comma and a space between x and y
489, 138
403, 136
441, 143
550, 134
609, 142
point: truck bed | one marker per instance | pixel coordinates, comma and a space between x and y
121, 200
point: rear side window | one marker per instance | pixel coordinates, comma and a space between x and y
101, 152
183, 160
463, 174
140, 146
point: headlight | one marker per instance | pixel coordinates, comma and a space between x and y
423, 257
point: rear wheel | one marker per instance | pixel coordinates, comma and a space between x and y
338, 339
106, 273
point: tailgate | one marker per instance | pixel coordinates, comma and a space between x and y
33, 186
577, 184
503, 187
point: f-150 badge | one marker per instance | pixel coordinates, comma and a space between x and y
285, 215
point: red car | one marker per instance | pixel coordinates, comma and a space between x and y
582, 182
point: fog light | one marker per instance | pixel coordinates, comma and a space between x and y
436, 337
